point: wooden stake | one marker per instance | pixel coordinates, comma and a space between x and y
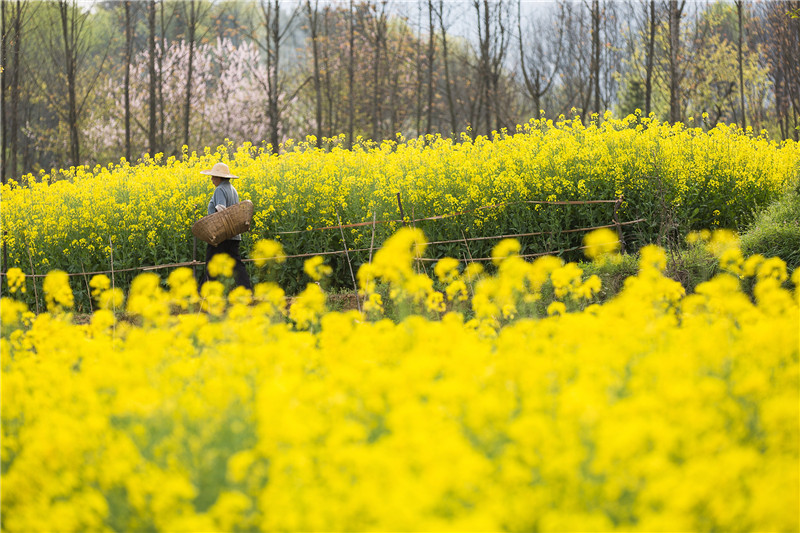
5, 253
400, 205
471, 292
372, 242
617, 224
466, 244
347, 254
33, 272
88, 289
113, 285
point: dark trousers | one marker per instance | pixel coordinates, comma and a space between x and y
230, 247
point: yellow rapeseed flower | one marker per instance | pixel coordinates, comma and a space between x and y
505, 249
266, 250
446, 269
316, 268
221, 265
57, 291
15, 278
600, 243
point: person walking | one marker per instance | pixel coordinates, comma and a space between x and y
224, 196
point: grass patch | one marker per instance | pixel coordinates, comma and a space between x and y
776, 231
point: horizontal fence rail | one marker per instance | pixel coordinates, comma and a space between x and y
450, 215
339, 252
467, 258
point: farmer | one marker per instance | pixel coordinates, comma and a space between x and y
225, 195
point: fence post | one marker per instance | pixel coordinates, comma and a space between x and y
113, 284
33, 275
88, 289
5, 252
464, 237
372, 242
400, 205
347, 255
617, 224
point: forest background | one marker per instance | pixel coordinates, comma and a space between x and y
91, 82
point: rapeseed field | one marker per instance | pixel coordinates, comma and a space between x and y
137, 214
221, 410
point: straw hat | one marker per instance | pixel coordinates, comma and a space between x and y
219, 170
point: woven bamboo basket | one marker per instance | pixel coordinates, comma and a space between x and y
224, 224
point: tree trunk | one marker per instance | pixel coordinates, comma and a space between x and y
350, 75
127, 88
187, 103
3, 76
483, 111
377, 89
487, 82
393, 74
16, 90
272, 21
675, 14
418, 87
274, 110
10, 82
161, 108
312, 24
333, 124
651, 41
68, 33
151, 64
445, 60
739, 9
431, 58
534, 82
595, 61
531, 84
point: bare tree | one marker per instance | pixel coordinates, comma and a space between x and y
332, 93
594, 68
397, 44
539, 68
484, 84
69, 46
675, 76
4, 59
446, 64
739, 9
780, 34
431, 59
611, 48
70, 27
276, 31
651, 42
638, 55
11, 83
375, 26
312, 15
493, 38
127, 83
194, 12
152, 80
574, 92
164, 24
418, 67
351, 66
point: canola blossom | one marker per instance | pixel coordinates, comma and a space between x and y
221, 411
135, 215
